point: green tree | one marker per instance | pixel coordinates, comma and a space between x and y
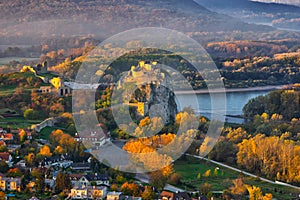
62, 182
3, 167
30, 114
25, 179
39, 181
158, 180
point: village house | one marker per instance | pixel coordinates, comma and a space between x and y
90, 192
21, 164
3, 131
10, 184
114, 196
62, 161
93, 139
7, 158
6, 136
94, 179
81, 167
166, 195
75, 178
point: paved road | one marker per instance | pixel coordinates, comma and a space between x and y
246, 173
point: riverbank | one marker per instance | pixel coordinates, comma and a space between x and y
230, 90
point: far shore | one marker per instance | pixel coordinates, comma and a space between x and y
230, 90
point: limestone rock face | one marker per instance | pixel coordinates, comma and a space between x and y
148, 87
159, 101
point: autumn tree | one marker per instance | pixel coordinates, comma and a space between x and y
145, 121
236, 135
62, 182
131, 189
45, 151
39, 180
2, 196
268, 196
175, 179
157, 180
59, 150
254, 192
205, 188
207, 173
272, 156
148, 193
22, 135
114, 187
30, 159
30, 114
14, 172
238, 187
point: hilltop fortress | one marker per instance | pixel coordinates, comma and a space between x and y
154, 89
146, 72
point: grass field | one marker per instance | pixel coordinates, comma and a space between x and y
191, 168
17, 122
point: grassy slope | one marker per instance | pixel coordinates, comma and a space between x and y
190, 169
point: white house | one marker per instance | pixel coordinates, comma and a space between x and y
97, 179
90, 192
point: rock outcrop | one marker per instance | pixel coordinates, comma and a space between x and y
154, 95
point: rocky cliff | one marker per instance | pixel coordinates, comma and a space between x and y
154, 94
159, 101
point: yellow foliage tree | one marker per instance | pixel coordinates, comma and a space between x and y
59, 150
254, 192
207, 173
22, 135
268, 196
45, 151
265, 117
238, 187
144, 122
29, 159
56, 82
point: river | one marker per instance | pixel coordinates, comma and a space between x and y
201, 103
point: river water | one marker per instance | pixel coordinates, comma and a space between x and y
202, 104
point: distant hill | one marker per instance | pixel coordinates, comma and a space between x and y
282, 16
291, 2
28, 21
267, 6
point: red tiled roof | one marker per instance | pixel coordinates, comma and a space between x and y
4, 156
9, 135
